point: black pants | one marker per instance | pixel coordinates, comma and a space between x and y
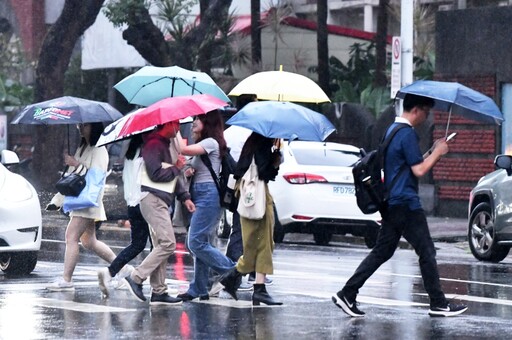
412, 225
235, 247
139, 238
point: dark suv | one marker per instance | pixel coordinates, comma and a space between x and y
490, 213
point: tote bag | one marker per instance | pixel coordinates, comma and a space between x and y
163, 186
252, 200
94, 182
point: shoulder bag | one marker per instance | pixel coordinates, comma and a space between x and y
252, 200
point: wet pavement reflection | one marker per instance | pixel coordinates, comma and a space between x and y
305, 277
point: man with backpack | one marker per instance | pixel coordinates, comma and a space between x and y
404, 215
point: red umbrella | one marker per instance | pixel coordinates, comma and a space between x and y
168, 110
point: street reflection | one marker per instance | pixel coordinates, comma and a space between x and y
17, 317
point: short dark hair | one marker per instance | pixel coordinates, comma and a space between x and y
413, 100
245, 99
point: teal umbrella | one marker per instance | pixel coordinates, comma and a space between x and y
151, 84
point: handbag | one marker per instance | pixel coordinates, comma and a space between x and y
71, 184
252, 201
95, 181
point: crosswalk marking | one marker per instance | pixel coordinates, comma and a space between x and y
79, 306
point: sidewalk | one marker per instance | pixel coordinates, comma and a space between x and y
442, 229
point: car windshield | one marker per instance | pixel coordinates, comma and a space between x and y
328, 157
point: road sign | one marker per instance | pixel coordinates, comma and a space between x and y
396, 75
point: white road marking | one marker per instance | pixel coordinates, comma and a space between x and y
79, 306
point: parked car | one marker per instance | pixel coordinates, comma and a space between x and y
20, 220
314, 194
490, 213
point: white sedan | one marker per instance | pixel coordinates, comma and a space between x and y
20, 220
314, 193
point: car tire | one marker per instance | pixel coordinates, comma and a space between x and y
223, 229
22, 263
322, 238
482, 235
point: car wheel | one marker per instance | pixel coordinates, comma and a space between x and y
22, 263
482, 235
322, 238
370, 239
223, 229
278, 229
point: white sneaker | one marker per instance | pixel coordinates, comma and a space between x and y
124, 272
225, 295
60, 285
216, 288
104, 279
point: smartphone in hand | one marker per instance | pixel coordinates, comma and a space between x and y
453, 134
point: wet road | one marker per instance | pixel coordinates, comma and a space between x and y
305, 277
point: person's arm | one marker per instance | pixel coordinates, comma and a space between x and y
192, 150
151, 153
440, 149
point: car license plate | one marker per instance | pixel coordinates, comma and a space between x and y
343, 190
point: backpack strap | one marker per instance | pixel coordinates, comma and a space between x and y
208, 163
383, 149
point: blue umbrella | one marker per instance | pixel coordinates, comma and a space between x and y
285, 120
456, 98
151, 84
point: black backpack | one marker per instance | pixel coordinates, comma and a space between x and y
371, 192
226, 194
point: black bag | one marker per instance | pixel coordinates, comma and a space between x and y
70, 185
371, 193
226, 194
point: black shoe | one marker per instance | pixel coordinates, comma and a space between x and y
350, 308
260, 295
204, 297
231, 281
135, 289
449, 310
186, 297
164, 299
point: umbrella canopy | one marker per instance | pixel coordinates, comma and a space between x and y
456, 98
281, 86
167, 110
151, 84
286, 120
67, 110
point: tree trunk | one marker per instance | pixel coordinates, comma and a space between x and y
380, 79
56, 51
323, 47
255, 34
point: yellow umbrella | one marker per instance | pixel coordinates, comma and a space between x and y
281, 86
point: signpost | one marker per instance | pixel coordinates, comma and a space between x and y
396, 72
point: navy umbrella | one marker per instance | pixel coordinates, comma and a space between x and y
285, 120
456, 98
67, 110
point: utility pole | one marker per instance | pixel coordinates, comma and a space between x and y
406, 35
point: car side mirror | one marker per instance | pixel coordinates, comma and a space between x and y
504, 162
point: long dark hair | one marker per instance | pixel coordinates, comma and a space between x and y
213, 126
255, 142
135, 143
96, 131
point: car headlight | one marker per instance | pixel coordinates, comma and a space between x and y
16, 189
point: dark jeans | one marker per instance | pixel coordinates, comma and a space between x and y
235, 247
139, 235
412, 225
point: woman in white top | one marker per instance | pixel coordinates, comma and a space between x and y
81, 226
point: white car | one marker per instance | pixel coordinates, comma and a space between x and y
314, 194
20, 220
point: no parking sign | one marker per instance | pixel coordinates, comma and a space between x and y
396, 73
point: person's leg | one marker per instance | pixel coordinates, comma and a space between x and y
155, 212
235, 247
139, 239
203, 222
387, 241
76, 227
418, 235
90, 242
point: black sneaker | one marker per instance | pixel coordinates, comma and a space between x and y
135, 289
164, 299
450, 310
349, 308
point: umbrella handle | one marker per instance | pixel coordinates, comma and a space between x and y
448, 124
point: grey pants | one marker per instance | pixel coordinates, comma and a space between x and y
156, 212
